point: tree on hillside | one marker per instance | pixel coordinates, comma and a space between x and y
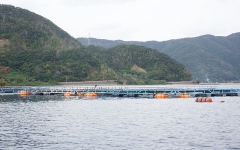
3, 72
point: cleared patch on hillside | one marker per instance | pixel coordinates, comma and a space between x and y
2, 42
138, 69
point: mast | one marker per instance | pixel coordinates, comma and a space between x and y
88, 38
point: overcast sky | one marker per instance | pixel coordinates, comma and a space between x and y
138, 20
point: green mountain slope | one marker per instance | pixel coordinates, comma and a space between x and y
134, 64
23, 29
209, 58
36, 50
33, 50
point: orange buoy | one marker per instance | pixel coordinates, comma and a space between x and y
79, 94
199, 99
68, 94
24, 93
184, 95
204, 99
209, 99
161, 95
91, 94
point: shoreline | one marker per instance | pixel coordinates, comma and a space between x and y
89, 83
112, 82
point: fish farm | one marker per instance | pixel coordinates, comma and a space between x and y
157, 92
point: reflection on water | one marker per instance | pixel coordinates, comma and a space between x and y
58, 122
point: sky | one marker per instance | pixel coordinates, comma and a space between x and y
138, 20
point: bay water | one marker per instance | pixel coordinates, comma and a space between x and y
58, 122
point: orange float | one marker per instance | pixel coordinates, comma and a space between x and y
184, 95
24, 93
68, 94
198, 99
79, 94
204, 99
91, 94
209, 99
161, 95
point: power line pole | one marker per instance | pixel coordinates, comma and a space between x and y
88, 38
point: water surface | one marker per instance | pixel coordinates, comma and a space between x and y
57, 122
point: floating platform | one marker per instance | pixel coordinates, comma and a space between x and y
169, 92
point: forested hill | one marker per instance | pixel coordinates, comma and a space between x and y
34, 51
138, 63
209, 58
22, 29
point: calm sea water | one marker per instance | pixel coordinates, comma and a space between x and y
57, 122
